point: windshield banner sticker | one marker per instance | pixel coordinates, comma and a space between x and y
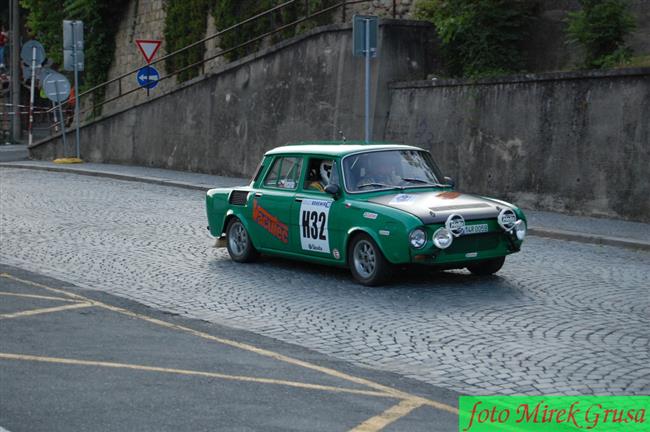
270, 223
314, 215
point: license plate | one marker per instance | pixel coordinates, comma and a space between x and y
476, 229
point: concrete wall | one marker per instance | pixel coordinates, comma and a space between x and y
306, 88
568, 142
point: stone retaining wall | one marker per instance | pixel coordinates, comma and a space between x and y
568, 142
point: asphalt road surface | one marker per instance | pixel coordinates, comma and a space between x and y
560, 318
75, 359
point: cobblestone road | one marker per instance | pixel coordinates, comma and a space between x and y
560, 318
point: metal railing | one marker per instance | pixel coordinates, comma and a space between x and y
342, 5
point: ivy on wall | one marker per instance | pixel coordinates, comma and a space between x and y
44, 19
230, 12
185, 23
479, 37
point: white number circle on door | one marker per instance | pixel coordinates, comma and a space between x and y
314, 215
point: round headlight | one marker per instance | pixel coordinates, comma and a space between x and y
418, 238
442, 238
520, 229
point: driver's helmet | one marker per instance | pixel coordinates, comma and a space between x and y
326, 171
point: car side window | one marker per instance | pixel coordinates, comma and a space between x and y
284, 173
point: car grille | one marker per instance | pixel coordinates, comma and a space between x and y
238, 197
475, 243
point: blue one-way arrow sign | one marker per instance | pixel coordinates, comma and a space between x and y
148, 77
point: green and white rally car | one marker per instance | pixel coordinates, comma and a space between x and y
366, 206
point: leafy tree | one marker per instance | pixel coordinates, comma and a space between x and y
479, 37
600, 28
45, 21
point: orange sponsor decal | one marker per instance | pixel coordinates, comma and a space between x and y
448, 195
270, 223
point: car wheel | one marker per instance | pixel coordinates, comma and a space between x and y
487, 267
367, 263
239, 243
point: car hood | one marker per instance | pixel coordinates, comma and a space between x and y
435, 207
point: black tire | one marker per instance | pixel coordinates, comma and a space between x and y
487, 267
366, 261
238, 242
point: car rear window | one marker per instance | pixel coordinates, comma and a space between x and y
284, 173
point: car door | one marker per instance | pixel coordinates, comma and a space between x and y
312, 227
271, 207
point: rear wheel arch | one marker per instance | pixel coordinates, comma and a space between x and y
239, 242
230, 214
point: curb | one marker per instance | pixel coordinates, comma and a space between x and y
112, 175
589, 238
537, 232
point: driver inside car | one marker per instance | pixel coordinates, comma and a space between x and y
380, 170
325, 173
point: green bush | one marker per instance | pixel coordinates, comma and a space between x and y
185, 23
479, 37
600, 28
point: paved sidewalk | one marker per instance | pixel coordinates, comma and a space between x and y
541, 223
13, 152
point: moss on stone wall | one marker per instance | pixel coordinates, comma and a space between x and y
230, 12
185, 23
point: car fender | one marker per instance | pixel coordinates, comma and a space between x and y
388, 227
393, 249
242, 218
220, 210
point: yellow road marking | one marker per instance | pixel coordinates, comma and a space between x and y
36, 296
297, 384
45, 310
45, 287
392, 414
246, 347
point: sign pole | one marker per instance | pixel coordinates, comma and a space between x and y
65, 146
31, 96
76, 86
16, 128
367, 102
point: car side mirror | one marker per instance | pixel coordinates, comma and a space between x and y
333, 189
450, 181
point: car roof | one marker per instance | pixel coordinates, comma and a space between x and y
336, 148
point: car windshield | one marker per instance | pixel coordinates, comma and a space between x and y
390, 169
